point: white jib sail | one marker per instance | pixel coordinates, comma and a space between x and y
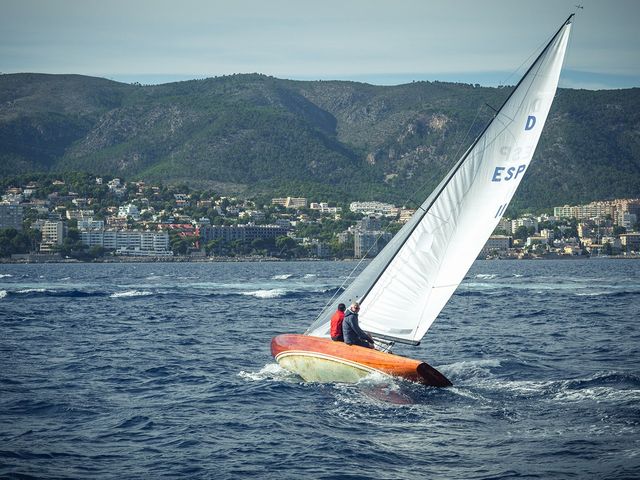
405, 287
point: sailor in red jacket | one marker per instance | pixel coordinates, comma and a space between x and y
336, 324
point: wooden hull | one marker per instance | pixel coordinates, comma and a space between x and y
323, 360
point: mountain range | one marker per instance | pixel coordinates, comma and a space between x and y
331, 140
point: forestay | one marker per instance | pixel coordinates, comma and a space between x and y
405, 287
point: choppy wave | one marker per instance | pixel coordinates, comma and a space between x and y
54, 292
5, 275
460, 371
310, 275
487, 276
3, 293
273, 293
283, 276
131, 293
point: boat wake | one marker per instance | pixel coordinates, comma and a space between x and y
270, 372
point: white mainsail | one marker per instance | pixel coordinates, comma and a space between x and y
405, 287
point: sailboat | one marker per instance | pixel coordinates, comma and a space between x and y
404, 288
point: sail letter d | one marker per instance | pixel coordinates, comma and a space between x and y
531, 121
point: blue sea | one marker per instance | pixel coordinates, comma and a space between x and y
163, 370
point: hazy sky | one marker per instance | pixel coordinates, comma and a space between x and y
380, 42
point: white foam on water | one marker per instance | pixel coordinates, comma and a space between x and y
466, 369
310, 275
284, 276
34, 290
271, 371
5, 275
3, 293
599, 394
525, 387
274, 293
487, 276
592, 294
131, 293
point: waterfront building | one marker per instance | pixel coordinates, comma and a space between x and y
52, 235
243, 233
11, 216
369, 243
628, 220
630, 242
128, 241
496, 244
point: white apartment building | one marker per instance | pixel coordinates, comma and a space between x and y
290, 202
372, 208
524, 222
128, 241
52, 234
129, 210
324, 207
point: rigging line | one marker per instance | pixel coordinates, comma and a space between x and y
535, 51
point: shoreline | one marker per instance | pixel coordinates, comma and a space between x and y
177, 259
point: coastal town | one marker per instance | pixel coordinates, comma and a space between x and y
90, 218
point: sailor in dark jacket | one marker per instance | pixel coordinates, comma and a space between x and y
353, 334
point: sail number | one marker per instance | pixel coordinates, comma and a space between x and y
505, 174
501, 210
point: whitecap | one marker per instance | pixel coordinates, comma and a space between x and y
3, 293
271, 371
487, 276
274, 293
33, 290
5, 275
284, 276
599, 394
131, 293
470, 369
310, 275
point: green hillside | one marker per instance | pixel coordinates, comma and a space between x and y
254, 134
